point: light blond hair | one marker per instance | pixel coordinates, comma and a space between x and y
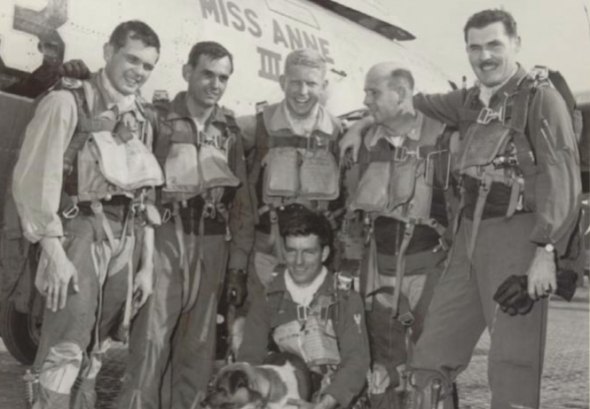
307, 57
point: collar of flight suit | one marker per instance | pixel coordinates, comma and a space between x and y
509, 87
279, 121
278, 286
179, 110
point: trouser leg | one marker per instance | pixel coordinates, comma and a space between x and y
66, 333
193, 344
517, 342
453, 324
152, 328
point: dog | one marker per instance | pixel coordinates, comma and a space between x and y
281, 378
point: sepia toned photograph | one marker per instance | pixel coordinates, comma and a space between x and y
294, 204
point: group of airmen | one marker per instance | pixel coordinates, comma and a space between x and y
144, 214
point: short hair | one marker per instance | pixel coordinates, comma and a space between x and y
211, 48
403, 74
307, 57
486, 17
298, 220
134, 30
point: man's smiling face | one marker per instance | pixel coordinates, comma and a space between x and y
492, 53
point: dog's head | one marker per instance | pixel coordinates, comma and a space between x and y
234, 387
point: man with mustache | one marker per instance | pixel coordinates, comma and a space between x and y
207, 228
90, 213
519, 175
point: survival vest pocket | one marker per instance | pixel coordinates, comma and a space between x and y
319, 176
214, 168
281, 176
402, 182
128, 165
182, 169
372, 192
483, 145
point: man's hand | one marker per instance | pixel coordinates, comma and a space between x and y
542, 274
236, 287
143, 286
353, 137
59, 271
74, 69
378, 379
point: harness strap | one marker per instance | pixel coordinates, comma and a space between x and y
370, 269
275, 235
182, 252
98, 211
194, 288
484, 190
400, 270
301, 142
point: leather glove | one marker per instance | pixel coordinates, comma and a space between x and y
236, 287
566, 284
74, 69
513, 297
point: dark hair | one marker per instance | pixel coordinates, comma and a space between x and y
486, 17
406, 75
297, 220
214, 50
135, 30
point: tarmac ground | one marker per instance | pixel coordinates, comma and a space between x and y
565, 381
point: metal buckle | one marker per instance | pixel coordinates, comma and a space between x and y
302, 313
487, 115
400, 154
71, 212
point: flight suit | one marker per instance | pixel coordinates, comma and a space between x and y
391, 337
511, 226
61, 189
344, 311
273, 131
174, 336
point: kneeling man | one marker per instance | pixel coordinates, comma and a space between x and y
305, 311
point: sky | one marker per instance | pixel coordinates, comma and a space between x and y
555, 33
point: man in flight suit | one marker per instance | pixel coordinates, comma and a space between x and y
207, 220
83, 206
293, 158
519, 171
307, 314
398, 151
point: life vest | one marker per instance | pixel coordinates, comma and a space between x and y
197, 162
397, 182
297, 168
110, 152
312, 335
495, 150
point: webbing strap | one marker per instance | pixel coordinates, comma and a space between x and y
400, 269
301, 142
275, 235
194, 288
98, 211
182, 252
516, 191
484, 190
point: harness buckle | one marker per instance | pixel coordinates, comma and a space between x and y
302, 312
400, 154
71, 212
166, 215
487, 115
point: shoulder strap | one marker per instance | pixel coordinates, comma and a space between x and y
80, 136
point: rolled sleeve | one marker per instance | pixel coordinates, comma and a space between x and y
350, 377
38, 174
557, 183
